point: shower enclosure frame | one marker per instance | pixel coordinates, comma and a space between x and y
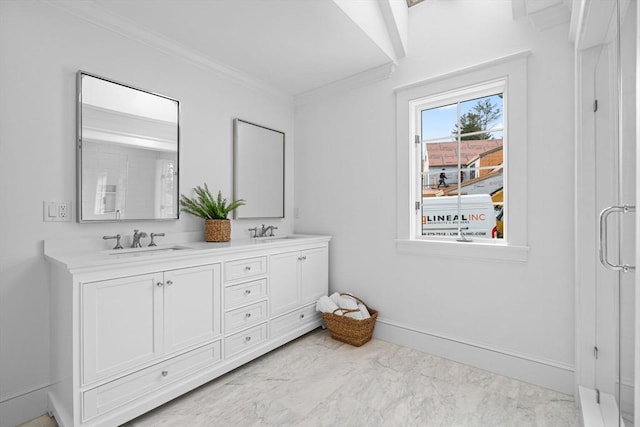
594, 32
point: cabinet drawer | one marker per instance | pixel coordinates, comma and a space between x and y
295, 319
124, 390
245, 268
245, 316
245, 340
245, 293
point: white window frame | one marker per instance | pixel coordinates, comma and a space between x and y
512, 70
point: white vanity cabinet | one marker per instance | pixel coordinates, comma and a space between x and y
298, 279
246, 317
131, 332
132, 320
121, 325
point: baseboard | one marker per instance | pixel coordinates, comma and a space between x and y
545, 373
24, 407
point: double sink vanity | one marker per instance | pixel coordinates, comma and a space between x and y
135, 328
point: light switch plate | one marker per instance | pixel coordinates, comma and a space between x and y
56, 211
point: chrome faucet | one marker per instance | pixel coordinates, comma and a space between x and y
269, 230
137, 235
117, 237
262, 232
152, 243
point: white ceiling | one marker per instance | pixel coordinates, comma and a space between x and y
293, 46
287, 47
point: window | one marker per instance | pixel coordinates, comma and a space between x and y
462, 162
460, 181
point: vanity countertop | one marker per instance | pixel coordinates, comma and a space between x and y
73, 257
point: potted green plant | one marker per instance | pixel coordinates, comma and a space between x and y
213, 210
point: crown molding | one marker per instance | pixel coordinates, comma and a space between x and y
96, 15
365, 78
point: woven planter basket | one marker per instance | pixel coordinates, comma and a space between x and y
348, 330
217, 230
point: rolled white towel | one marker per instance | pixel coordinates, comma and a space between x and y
354, 315
345, 301
335, 297
325, 305
363, 311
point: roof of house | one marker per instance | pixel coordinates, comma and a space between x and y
446, 153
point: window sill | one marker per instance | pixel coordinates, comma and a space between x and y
472, 250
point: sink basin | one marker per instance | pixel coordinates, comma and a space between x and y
145, 251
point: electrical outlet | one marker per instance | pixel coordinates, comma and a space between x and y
63, 211
56, 211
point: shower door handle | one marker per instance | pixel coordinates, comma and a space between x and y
602, 244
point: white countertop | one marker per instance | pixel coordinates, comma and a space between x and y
73, 255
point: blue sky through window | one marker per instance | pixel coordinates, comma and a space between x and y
439, 122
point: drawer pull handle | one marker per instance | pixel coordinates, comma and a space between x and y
247, 339
302, 258
247, 268
159, 284
247, 315
169, 282
247, 292
165, 373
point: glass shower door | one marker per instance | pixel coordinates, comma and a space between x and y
615, 131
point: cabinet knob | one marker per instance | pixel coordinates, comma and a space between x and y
247, 339
302, 315
159, 284
169, 282
247, 315
165, 373
247, 268
247, 292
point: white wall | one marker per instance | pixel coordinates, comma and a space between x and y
41, 48
515, 318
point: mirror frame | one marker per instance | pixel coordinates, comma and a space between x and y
238, 164
79, 171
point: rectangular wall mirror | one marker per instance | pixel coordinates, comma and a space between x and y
258, 154
128, 149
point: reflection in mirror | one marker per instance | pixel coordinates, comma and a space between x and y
258, 169
128, 144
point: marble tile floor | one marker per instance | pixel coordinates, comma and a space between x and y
317, 381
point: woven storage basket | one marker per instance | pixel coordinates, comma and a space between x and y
217, 230
348, 330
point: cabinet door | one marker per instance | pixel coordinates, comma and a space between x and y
314, 274
121, 324
284, 292
192, 306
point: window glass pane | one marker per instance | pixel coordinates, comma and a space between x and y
438, 122
463, 180
478, 115
473, 215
